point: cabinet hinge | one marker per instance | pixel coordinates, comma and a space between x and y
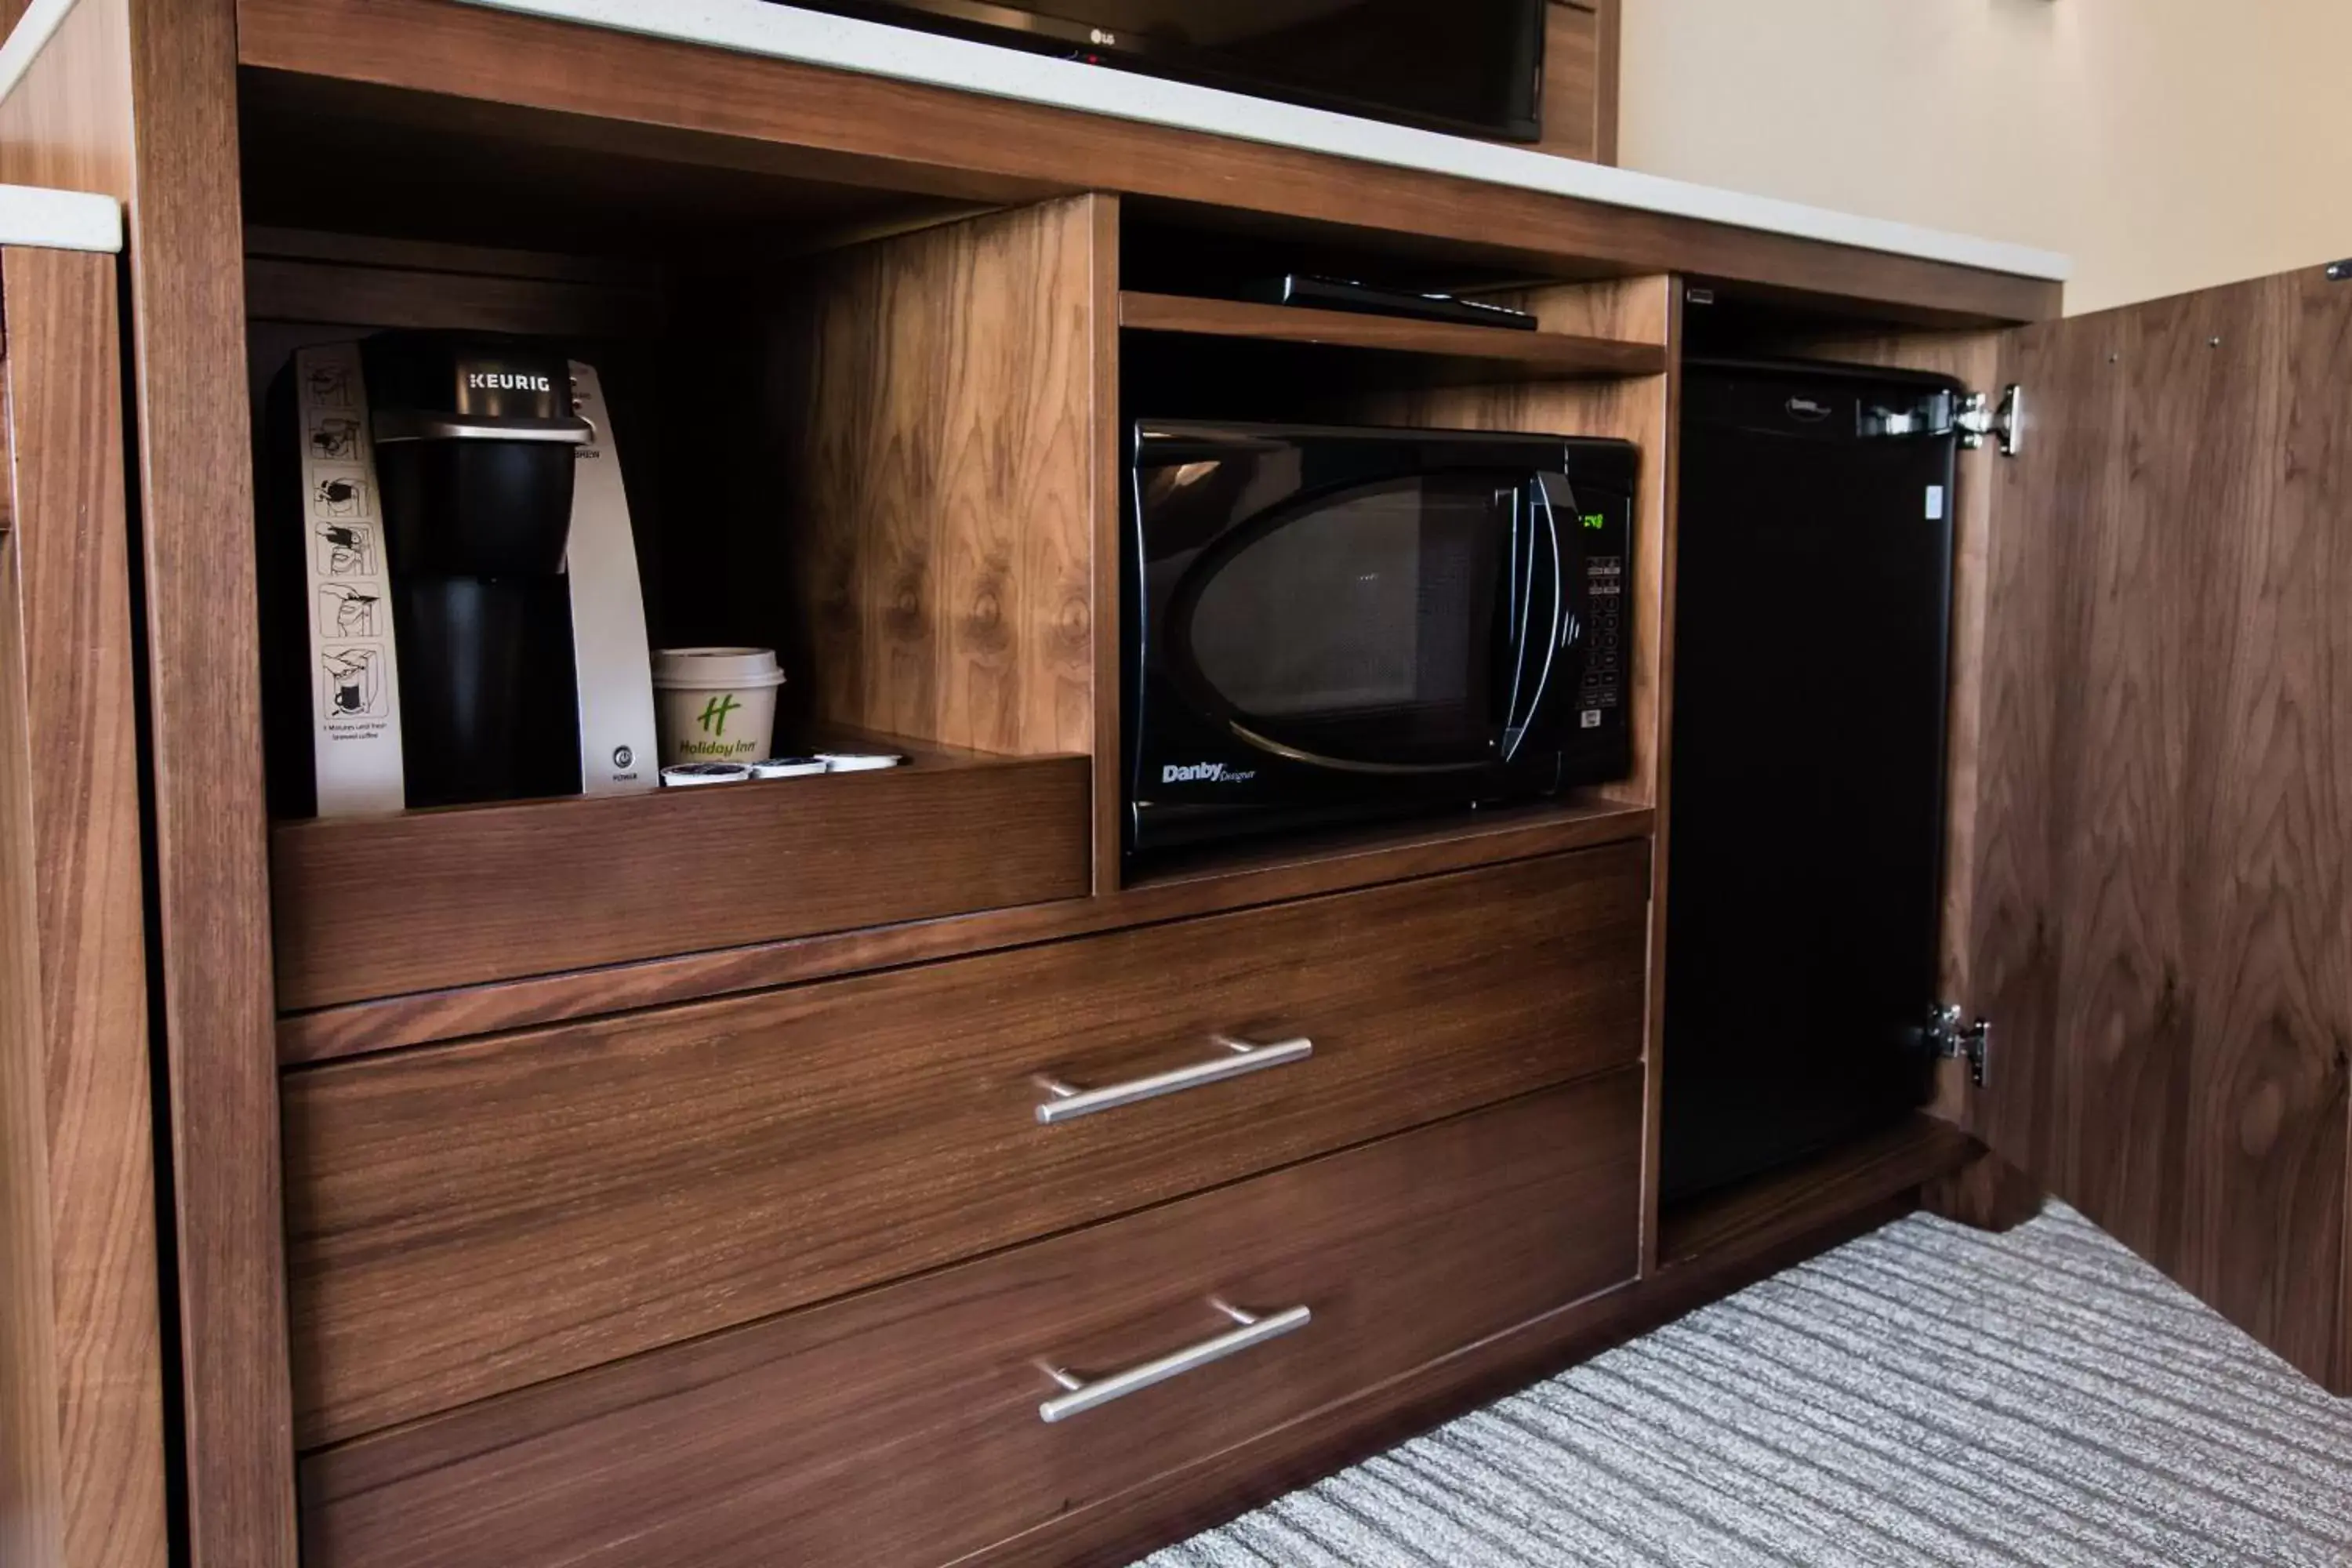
1979, 417
1949, 1039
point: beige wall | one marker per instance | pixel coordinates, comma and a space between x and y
2165, 145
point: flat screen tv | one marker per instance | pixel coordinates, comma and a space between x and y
1472, 66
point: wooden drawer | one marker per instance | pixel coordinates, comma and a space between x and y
468, 1219
902, 1427
494, 892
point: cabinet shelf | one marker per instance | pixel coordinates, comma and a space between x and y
1452, 353
1417, 846
1756, 1215
368, 907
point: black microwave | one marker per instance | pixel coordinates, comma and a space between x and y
1329, 624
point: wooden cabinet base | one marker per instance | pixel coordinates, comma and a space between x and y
1125, 1529
1987, 1193
472, 1219
907, 1425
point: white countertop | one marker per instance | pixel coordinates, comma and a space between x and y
784, 32
62, 220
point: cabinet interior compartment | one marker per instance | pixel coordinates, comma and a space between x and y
1727, 321
1597, 364
856, 424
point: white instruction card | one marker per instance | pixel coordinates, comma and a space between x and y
355, 672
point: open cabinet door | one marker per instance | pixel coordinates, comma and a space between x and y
2159, 927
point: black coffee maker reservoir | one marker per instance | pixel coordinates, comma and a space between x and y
475, 442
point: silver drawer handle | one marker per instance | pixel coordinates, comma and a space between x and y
1240, 1057
1252, 1330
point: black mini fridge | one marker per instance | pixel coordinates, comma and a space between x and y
1806, 827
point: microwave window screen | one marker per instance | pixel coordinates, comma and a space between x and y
1372, 611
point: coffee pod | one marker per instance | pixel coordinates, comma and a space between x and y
715, 704
787, 767
687, 774
858, 761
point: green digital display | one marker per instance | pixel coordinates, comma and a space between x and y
1595, 519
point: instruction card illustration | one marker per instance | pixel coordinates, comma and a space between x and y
348, 612
339, 496
354, 682
355, 729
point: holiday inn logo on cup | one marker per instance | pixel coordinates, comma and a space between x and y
715, 704
715, 711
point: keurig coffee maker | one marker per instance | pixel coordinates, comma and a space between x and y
452, 534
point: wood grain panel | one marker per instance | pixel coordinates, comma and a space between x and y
331, 247
470, 1218
1129, 1527
67, 124
1109, 458
1987, 1194
1607, 77
1800, 1198
901, 1427
32, 1491
942, 490
84, 1293
279, 288
1469, 353
211, 885
557, 72
1622, 310
1393, 854
2163, 914
377, 906
166, 72
1572, 85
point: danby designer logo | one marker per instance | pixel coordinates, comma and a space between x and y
506, 381
713, 717
1202, 773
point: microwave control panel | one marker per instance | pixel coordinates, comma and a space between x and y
1603, 685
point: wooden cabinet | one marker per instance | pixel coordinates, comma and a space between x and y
1581, 71
2150, 782
530, 1225
904, 1427
470, 891
82, 1362
468, 1218
2145, 865
2157, 921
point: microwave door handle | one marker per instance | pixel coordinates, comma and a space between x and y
1560, 630
1516, 604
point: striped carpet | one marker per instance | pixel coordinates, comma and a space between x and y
1926, 1395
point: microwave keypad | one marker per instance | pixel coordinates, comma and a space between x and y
1604, 681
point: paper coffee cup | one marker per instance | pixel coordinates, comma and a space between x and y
715, 704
